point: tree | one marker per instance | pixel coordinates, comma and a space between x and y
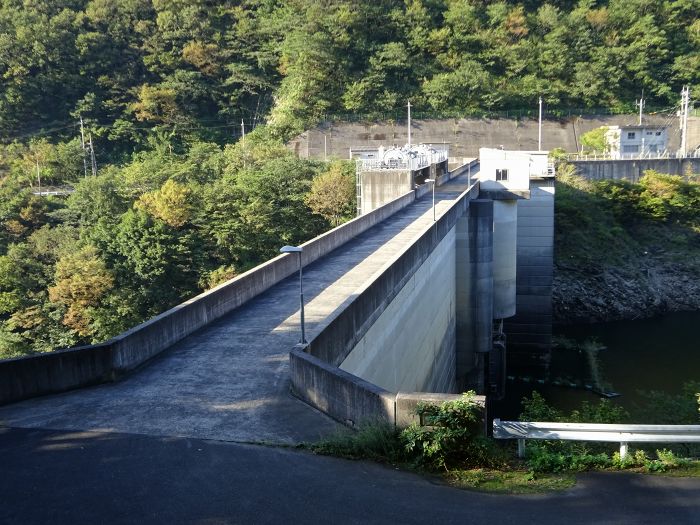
82, 280
594, 140
171, 203
332, 193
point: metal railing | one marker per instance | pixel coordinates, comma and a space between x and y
412, 163
623, 434
632, 156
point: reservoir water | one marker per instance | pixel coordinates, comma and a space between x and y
661, 354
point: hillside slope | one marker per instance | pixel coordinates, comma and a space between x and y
625, 251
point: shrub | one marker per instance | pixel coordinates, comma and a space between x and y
450, 436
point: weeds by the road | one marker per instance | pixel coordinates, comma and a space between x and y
448, 444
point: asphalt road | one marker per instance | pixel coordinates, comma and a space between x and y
59, 477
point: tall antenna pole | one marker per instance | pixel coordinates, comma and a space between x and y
92, 158
242, 131
685, 101
82, 142
640, 104
409, 123
539, 129
38, 175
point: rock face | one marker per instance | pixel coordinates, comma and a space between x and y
641, 288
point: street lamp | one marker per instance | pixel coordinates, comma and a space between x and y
298, 249
433, 181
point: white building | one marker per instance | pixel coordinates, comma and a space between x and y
626, 142
512, 170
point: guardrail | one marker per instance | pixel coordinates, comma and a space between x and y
623, 434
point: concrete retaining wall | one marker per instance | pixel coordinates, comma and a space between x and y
76, 367
633, 170
465, 136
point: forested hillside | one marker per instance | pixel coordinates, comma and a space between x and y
198, 67
180, 200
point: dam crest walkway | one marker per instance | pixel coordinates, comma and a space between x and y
229, 381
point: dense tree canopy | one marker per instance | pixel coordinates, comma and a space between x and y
196, 68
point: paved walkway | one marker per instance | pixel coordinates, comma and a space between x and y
230, 381
79, 478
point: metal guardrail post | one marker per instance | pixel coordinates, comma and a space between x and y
623, 449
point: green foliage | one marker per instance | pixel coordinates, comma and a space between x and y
332, 193
565, 456
195, 69
377, 441
662, 408
448, 436
594, 141
542, 459
536, 408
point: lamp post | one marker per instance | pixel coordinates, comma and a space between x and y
433, 181
298, 249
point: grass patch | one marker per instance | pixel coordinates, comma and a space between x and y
510, 481
378, 442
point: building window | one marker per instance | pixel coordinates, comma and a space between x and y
658, 133
649, 132
501, 174
631, 135
630, 149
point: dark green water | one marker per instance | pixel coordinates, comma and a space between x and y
651, 354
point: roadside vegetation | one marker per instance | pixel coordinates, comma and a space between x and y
449, 442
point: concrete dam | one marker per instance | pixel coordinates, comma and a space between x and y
400, 308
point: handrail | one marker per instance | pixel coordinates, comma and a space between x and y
624, 434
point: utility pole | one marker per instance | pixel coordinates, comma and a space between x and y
539, 129
409, 123
685, 102
243, 131
640, 104
38, 175
92, 158
82, 142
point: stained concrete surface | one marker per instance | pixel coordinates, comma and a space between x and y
230, 381
75, 478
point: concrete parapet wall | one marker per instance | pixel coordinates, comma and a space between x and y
345, 328
341, 395
75, 367
354, 401
25, 377
633, 169
411, 344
